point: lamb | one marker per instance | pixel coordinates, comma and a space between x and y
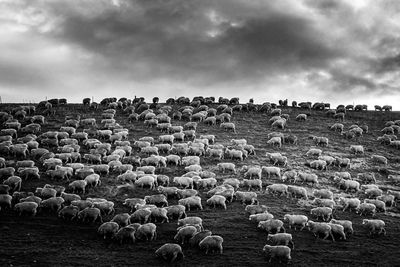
323, 193
228, 126
320, 141
170, 252
236, 154
29, 208
185, 182
366, 208
93, 180
14, 182
212, 242
347, 225
207, 182
306, 177
193, 168
190, 160
166, 139
146, 231
147, 169
159, 214
176, 211
122, 219
173, 159
342, 162
158, 200
296, 220
271, 225
373, 192
348, 184
256, 209
314, 152
191, 202
322, 212
257, 183
280, 252
217, 200
375, 226
69, 197
277, 158
232, 181
280, 189
349, 203
271, 171
275, 141
141, 215
297, 191
279, 123
226, 166
216, 153
260, 217
146, 180
379, 159
52, 204
318, 228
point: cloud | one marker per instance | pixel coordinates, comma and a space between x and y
322, 50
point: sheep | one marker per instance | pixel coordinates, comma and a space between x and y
216, 153
159, 215
256, 209
29, 208
375, 226
122, 219
68, 212
58, 173
146, 180
175, 159
93, 180
25, 164
389, 200
348, 184
342, 162
141, 215
271, 171
320, 141
147, 169
228, 126
275, 141
337, 127
366, 208
322, 202
349, 203
301, 117
190, 160
170, 252
185, 233
69, 197
280, 252
379, 159
280, 189
193, 220
235, 154
279, 123
347, 225
108, 229
289, 176
158, 200
185, 182
78, 185
296, 220
212, 242
322, 212
198, 237
260, 217
307, 177
191, 202
373, 192
226, 166
297, 191
357, 149
318, 228
217, 200
342, 175
166, 139
318, 164
314, 152
257, 183
246, 197
207, 182
233, 182
277, 158
14, 182
396, 194
176, 211
380, 205
337, 230
194, 168
281, 239
271, 225
7, 172
52, 204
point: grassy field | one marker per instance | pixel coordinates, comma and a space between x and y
46, 240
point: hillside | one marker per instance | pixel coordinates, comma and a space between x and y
46, 240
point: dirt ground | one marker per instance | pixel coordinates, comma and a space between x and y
46, 240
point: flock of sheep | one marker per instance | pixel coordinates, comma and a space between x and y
86, 150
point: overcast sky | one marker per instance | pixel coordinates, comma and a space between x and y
311, 50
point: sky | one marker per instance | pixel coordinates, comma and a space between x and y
341, 52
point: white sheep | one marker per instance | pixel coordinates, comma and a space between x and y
246, 197
147, 180
170, 252
323, 193
281, 239
275, 141
280, 189
191, 202
256, 183
146, 232
314, 152
379, 159
210, 243
349, 203
276, 171
260, 217
322, 212
379, 204
280, 252
252, 171
228, 126
323, 202
318, 164
296, 220
375, 226
271, 225
297, 191
301, 117
217, 200
318, 228
347, 225
185, 182
255, 209
289, 176
108, 229
357, 149
307, 178
226, 166
29, 208
366, 208
192, 220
